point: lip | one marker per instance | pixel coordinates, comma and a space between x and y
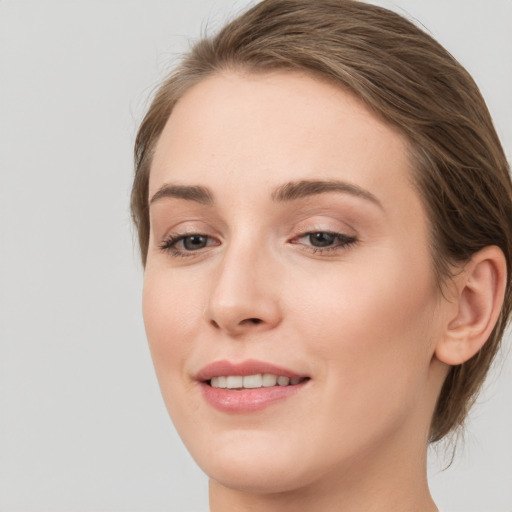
242, 369
246, 400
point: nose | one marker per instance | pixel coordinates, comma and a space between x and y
244, 298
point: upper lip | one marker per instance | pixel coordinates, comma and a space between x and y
243, 368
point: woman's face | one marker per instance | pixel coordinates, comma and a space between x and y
289, 244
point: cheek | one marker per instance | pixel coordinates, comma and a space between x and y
171, 311
371, 328
368, 336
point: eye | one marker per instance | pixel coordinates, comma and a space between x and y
184, 245
323, 241
194, 242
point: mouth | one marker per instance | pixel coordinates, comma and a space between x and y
248, 386
258, 380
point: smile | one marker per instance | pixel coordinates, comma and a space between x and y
248, 386
258, 380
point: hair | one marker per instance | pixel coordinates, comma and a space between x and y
407, 79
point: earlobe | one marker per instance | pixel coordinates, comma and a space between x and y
479, 294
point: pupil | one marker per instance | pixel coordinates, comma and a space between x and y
321, 239
194, 242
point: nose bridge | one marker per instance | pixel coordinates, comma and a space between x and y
243, 294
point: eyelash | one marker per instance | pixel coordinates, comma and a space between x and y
342, 242
170, 243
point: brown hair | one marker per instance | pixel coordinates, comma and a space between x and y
405, 77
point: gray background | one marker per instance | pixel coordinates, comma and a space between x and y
82, 424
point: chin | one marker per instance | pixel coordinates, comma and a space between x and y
252, 463
256, 478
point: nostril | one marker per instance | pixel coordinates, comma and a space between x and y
246, 322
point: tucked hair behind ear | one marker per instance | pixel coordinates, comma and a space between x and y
406, 78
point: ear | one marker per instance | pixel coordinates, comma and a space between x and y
478, 298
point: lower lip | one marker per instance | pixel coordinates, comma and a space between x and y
247, 400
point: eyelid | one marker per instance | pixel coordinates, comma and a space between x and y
326, 224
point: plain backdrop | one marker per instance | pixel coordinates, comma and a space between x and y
82, 424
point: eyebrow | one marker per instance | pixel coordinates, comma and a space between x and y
188, 192
291, 191
306, 188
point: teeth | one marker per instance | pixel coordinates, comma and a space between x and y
269, 380
253, 381
234, 381
283, 381
222, 382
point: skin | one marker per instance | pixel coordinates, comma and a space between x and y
363, 320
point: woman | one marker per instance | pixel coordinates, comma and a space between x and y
324, 213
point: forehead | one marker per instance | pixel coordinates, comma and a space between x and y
249, 131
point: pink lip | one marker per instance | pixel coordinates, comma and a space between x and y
247, 400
